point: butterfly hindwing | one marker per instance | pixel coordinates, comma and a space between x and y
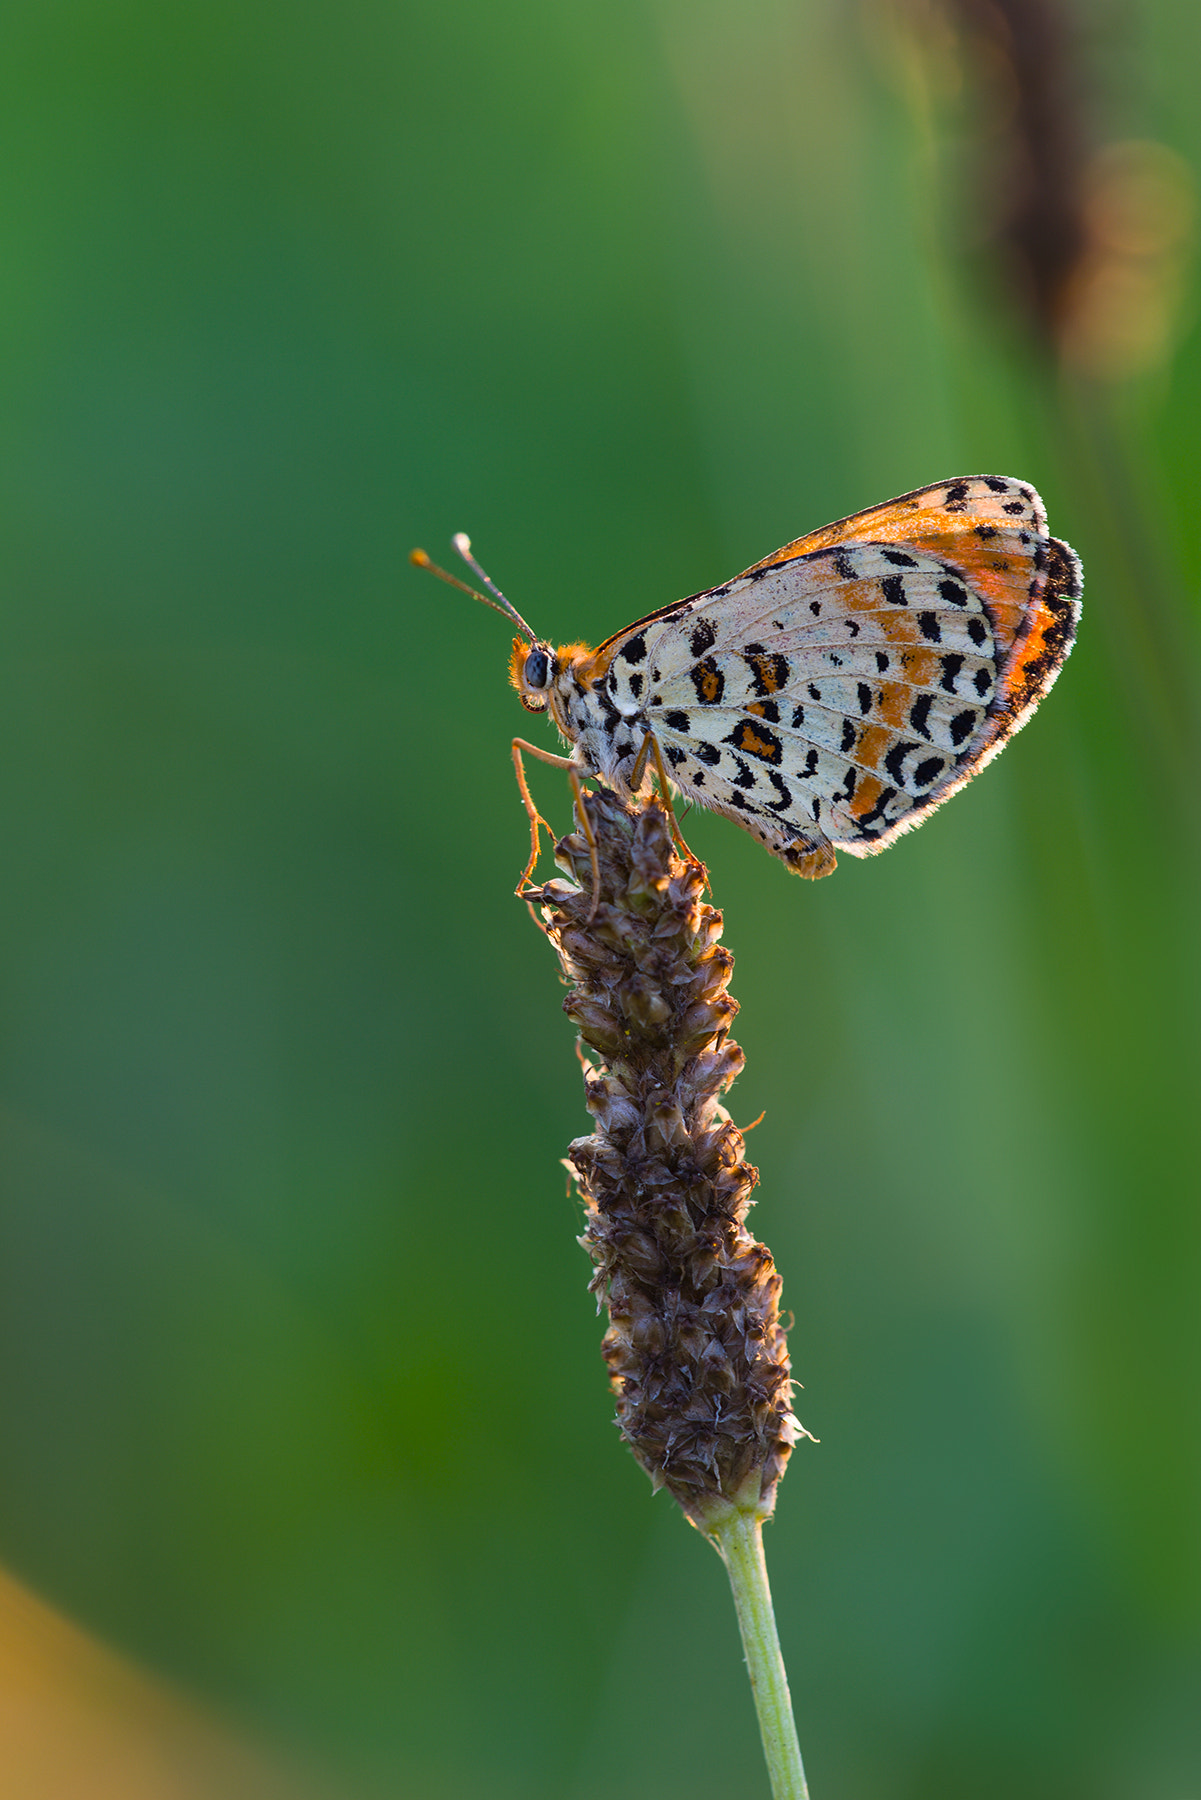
836, 692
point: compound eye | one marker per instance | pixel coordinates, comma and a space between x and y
536, 673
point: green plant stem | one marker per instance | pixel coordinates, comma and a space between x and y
739, 1541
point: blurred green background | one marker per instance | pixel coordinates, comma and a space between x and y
300, 1396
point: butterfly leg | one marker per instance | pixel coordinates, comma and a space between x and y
650, 748
536, 819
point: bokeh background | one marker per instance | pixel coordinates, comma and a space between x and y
308, 1483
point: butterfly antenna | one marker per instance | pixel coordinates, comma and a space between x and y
462, 544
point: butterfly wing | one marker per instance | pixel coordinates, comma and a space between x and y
835, 693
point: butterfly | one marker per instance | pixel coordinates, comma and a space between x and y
833, 695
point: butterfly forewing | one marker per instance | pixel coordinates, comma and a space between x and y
837, 691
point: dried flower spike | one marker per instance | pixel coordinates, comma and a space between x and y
695, 1349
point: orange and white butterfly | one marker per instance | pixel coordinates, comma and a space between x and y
834, 694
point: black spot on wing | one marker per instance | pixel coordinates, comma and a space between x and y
601, 691
899, 559
844, 566
996, 484
953, 592
893, 589
676, 720
919, 713
951, 665
635, 650
755, 740
702, 636
894, 761
878, 811
1059, 598
769, 670
977, 630
930, 629
1066, 578
963, 725
781, 787
707, 753
708, 680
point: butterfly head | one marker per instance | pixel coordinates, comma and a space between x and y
532, 672
549, 680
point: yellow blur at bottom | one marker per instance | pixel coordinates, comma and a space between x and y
79, 1722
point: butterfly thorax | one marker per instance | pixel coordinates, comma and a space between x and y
571, 683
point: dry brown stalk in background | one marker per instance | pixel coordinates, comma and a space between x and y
1087, 241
